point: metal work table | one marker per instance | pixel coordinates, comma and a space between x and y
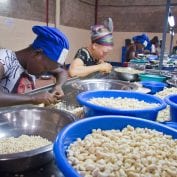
48, 170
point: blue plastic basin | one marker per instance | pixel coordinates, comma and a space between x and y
84, 127
172, 101
151, 77
170, 124
95, 110
154, 86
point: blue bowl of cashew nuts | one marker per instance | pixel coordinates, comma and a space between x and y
120, 102
110, 145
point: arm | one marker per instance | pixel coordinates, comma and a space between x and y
146, 51
61, 76
130, 53
77, 68
8, 99
17, 99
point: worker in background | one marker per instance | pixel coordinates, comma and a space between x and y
155, 45
174, 52
130, 52
142, 44
138, 47
18, 69
125, 48
92, 58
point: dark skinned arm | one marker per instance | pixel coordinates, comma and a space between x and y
17, 99
8, 99
61, 76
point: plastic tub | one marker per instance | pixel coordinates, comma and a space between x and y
141, 61
83, 127
169, 68
95, 110
172, 101
154, 86
152, 57
151, 77
170, 124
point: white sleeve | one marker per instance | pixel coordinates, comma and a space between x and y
153, 49
3, 56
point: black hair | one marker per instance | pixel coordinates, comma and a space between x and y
155, 40
128, 42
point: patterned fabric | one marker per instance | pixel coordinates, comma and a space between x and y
101, 35
15, 78
85, 56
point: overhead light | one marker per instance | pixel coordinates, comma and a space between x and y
171, 20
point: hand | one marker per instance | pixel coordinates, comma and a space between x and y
101, 61
58, 92
44, 97
105, 67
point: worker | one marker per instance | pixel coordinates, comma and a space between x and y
19, 69
138, 47
155, 46
92, 58
142, 44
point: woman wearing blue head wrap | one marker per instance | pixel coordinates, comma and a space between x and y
92, 58
18, 69
140, 46
142, 43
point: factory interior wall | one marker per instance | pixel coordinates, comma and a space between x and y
16, 34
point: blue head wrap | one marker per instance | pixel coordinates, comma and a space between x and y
143, 39
52, 41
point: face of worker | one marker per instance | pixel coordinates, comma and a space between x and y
40, 64
100, 52
24, 86
139, 46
